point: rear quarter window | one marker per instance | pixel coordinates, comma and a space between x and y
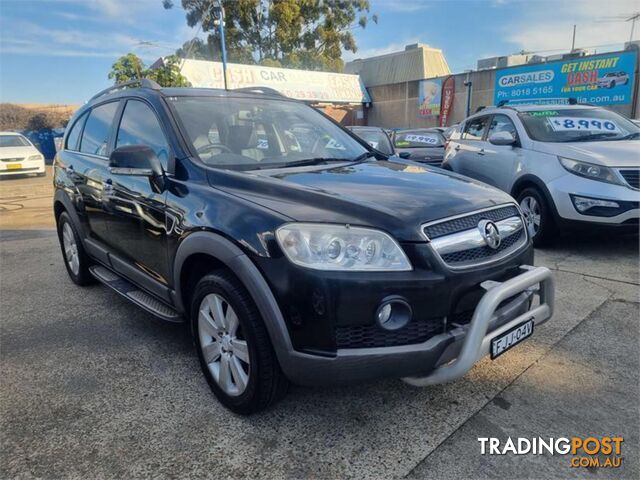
74, 133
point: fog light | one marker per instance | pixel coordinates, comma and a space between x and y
393, 313
583, 204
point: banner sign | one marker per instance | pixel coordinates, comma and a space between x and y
429, 96
448, 92
299, 84
598, 79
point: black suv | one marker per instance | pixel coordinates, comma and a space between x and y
296, 251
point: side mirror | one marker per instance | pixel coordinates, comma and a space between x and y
135, 160
502, 138
404, 155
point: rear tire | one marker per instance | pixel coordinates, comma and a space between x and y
233, 345
539, 216
76, 260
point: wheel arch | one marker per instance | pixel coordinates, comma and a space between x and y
527, 181
62, 203
201, 251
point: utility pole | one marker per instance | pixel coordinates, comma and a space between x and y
573, 41
218, 20
469, 84
633, 19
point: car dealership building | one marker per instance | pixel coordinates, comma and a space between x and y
407, 91
415, 88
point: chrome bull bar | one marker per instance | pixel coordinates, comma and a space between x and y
476, 343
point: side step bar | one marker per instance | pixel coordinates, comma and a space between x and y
134, 294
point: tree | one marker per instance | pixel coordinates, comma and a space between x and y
127, 67
165, 73
39, 121
168, 74
308, 34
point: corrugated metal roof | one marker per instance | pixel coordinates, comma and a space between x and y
414, 63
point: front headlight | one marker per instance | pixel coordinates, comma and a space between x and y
339, 247
33, 158
590, 170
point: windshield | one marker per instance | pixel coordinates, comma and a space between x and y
255, 133
13, 141
418, 139
577, 125
376, 138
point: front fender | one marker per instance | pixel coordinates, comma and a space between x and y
240, 264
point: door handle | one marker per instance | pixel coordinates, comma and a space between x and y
457, 148
481, 151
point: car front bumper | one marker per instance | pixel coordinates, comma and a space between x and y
443, 357
26, 166
562, 188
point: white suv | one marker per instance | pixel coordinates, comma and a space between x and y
567, 165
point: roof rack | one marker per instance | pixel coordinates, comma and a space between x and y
263, 90
141, 82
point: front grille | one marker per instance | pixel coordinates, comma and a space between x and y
478, 254
368, 336
13, 159
447, 227
631, 176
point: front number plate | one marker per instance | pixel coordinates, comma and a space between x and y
517, 334
14, 166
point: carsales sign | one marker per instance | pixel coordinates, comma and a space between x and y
598, 79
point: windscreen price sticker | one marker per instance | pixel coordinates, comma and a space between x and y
562, 124
421, 139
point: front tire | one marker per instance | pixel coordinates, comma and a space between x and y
233, 345
75, 258
538, 215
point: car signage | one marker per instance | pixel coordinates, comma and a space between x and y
598, 79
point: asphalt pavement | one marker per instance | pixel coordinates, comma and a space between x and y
93, 387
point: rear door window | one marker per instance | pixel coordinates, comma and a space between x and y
474, 128
95, 137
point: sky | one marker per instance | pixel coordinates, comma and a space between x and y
61, 51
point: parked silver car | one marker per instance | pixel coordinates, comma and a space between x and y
567, 165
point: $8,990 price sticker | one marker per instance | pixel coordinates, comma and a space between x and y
561, 124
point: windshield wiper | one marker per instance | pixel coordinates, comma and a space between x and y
302, 163
368, 154
317, 161
592, 136
631, 136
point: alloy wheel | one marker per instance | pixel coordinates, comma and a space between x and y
532, 214
70, 248
224, 349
